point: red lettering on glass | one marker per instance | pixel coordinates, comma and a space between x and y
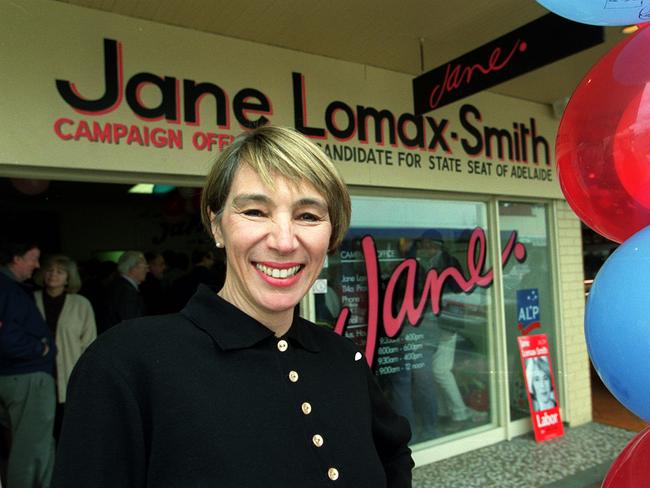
432, 289
458, 75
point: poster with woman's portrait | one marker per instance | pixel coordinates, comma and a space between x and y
540, 386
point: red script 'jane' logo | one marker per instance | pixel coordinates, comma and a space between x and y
431, 292
459, 75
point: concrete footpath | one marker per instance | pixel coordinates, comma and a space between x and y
580, 459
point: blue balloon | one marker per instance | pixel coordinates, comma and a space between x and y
601, 12
617, 323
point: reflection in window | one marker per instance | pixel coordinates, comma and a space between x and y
434, 372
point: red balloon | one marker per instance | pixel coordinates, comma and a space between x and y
630, 468
603, 142
633, 151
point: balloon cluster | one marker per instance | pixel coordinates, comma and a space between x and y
603, 159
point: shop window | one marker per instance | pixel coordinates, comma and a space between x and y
526, 285
433, 365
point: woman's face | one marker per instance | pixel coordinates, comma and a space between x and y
55, 277
276, 242
541, 386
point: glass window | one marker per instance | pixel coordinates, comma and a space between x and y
527, 290
417, 309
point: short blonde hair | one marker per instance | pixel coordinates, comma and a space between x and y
74, 280
270, 151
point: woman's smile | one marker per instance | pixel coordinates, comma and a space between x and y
279, 274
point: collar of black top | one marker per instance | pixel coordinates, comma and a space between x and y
233, 329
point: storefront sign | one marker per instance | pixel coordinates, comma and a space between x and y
532, 46
540, 385
528, 310
181, 103
130, 96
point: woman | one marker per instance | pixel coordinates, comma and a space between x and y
237, 390
70, 318
538, 374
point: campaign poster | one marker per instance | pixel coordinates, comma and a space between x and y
540, 387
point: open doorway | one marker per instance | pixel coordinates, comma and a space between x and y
94, 223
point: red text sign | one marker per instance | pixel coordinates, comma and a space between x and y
413, 307
518, 52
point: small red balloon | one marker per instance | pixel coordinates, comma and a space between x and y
29, 186
603, 148
173, 208
630, 468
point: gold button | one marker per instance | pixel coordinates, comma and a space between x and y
333, 474
282, 345
306, 408
293, 376
317, 440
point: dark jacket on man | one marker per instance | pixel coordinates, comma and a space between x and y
123, 301
23, 331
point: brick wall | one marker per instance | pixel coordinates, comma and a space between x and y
574, 365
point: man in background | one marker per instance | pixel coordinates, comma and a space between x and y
123, 299
203, 272
152, 289
433, 254
27, 352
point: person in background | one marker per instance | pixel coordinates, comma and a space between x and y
219, 268
238, 390
412, 387
95, 277
152, 289
123, 299
27, 352
540, 386
69, 316
203, 261
176, 265
432, 254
